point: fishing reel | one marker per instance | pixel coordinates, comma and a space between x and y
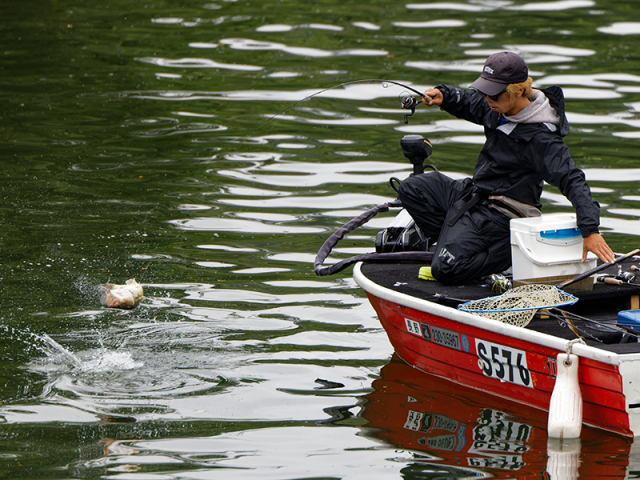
627, 277
620, 278
408, 103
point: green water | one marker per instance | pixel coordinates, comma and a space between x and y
134, 146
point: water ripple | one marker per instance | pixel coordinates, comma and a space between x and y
227, 296
342, 200
621, 28
552, 6
279, 28
257, 454
343, 121
534, 54
591, 119
546, 50
449, 6
204, 224
490, 6
612, 174
256, 45
366, 26
431, 24
196, 63
596, 80
182, 128
317, 174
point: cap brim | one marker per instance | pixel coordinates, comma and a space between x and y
487, 87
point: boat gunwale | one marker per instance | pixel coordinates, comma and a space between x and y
507, 330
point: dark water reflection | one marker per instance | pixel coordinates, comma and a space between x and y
135, 146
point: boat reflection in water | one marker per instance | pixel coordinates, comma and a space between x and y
457, 432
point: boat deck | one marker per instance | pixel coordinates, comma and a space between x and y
600, 305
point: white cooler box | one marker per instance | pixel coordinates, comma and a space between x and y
548, 246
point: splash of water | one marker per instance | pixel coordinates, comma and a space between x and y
48, 345
101, 361
107, 361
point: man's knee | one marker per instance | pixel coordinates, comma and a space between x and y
416, 186
448, 269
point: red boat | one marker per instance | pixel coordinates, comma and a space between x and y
429, 332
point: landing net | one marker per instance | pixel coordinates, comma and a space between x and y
519, 305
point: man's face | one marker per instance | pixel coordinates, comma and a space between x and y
503, 103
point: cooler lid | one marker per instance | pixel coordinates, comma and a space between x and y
548, 222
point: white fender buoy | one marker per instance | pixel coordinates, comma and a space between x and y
563, 458
565, 407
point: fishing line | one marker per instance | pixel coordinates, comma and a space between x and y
409, 105
564, 316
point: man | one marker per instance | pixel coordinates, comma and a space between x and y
524, 147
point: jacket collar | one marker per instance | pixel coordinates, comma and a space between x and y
525, 131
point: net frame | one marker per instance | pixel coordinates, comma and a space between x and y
519, 305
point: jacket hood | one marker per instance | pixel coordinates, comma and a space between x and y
526, 131
539, 110
556, 99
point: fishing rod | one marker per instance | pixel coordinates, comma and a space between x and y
408, 102
597, 269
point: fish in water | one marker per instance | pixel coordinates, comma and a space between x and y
121, 296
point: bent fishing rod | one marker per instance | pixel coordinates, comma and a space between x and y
408, 102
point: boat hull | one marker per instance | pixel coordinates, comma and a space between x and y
504, 360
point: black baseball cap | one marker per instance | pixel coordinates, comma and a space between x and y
501, 69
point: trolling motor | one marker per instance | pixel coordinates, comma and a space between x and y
417, 149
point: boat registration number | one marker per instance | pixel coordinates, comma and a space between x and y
504, 363
446, 338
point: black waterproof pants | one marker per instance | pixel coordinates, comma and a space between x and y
475, 245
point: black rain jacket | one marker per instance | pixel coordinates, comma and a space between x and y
518, 158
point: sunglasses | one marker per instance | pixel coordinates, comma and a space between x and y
493, 97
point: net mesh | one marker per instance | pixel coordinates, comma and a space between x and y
519, 305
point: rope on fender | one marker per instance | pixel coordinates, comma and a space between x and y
358, 221
569, 347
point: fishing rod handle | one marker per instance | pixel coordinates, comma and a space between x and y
599, 268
